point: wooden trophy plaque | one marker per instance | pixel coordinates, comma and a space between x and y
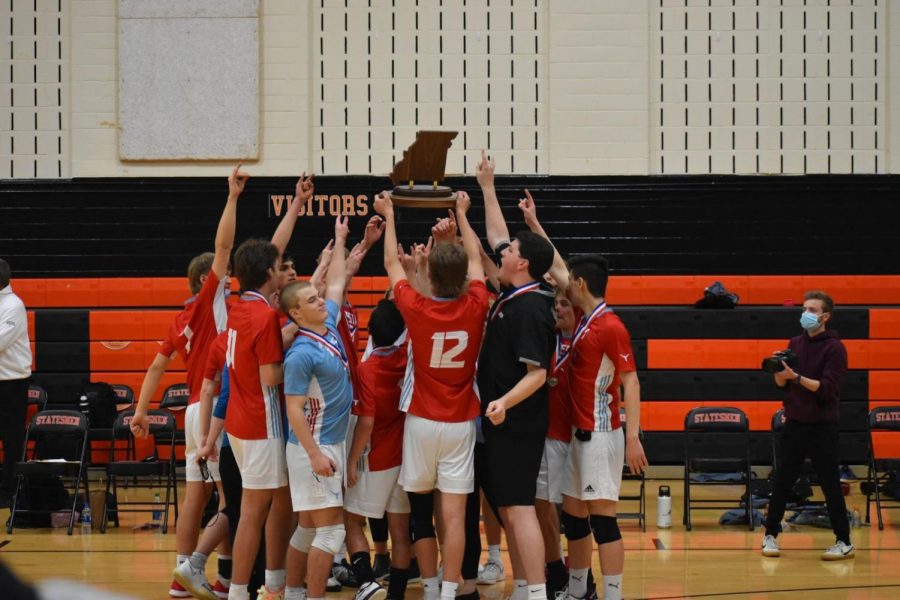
417, 176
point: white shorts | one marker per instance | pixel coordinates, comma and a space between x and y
261, 462
376, 492
438, 455
553, 471
192, 445
594, 468
310, 491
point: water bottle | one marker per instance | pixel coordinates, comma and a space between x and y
84, 405
86, 518
856, 520
157, 514
664, 508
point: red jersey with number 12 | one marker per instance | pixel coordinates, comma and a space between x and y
445, 339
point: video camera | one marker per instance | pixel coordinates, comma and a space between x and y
772, 364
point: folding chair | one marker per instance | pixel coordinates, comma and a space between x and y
884, 437
124, 396
55, 435
37, 401
175, 400
640, 497
716, 440
162, 429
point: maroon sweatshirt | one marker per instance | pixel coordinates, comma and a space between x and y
824, 358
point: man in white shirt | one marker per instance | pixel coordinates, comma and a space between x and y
15, 370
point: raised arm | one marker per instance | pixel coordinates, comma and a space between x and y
225, 232
336, 280
373, 233
385, 208
558, 270
318, 277
469, 239
497, 231
303, 191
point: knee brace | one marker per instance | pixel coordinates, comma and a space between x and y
606, 529
421, 509
303, 538
576, 528
329, 538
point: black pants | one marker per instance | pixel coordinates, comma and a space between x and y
820, 442
13, 404
232, 487
472, 550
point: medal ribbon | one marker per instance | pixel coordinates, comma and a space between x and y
253, 296
333, 348
581, 329
506, 297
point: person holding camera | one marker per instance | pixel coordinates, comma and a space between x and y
813, 368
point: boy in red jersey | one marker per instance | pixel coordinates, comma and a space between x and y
191, 335
600, 360
445, 333
373, 464
254, 421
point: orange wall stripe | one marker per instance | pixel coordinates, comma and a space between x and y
884, 323
884, 385
146, 325
127, 356
669, 416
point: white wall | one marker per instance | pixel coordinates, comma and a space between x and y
604, 93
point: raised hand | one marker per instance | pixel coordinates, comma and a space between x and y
374, 230
528, 208
303, 191
237, 180
445, 229
383, 204
463, 202
341, 228
484, 171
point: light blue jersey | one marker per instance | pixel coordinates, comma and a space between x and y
319, 371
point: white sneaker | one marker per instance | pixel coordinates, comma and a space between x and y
371, 591
194, 581
839, 551
491, 572
770, 547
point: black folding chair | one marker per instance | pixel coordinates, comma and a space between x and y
716, 440
58, 441
640, 497
175, 400
884, 426
146, 472
124, 396
37, 401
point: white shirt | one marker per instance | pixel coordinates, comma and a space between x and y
15, 351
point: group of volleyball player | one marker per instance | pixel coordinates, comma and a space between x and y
492, 381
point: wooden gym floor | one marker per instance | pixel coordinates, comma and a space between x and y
709, 562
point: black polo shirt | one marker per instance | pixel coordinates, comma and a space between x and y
519, 333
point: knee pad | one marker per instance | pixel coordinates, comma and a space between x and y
606, 529
329, 538
421, 512
303, 538
576, 528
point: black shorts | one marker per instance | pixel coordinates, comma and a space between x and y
512, 462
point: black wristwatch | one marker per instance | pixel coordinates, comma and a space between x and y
797, 381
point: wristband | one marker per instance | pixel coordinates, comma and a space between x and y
797, 381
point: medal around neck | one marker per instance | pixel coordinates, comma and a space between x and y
417, 176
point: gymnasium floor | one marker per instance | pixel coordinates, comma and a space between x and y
709, 562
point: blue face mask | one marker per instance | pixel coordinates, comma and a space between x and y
809, 320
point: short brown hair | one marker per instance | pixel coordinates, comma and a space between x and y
827, 302
287, 299
198, 267
448, 266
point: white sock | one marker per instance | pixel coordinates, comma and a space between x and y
537, 591
238, 592
431, 588
578, 582
294, 593
275, 579
198, 561
520, 590
448, 589
494, 553
181, 558
612, 587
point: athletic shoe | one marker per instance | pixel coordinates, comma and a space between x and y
265, 594
470, 596
492, 572
193, 581
415, 576
333, 585
176, 591
220, 590
770, 547
561, 594
839, 551
381, 568
371, 591
847, 474
344, 574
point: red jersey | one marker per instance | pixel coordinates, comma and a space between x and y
348, 327
445, 339
600, 352
203, 318
253, 339
215, 360
560, 409
380, 378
